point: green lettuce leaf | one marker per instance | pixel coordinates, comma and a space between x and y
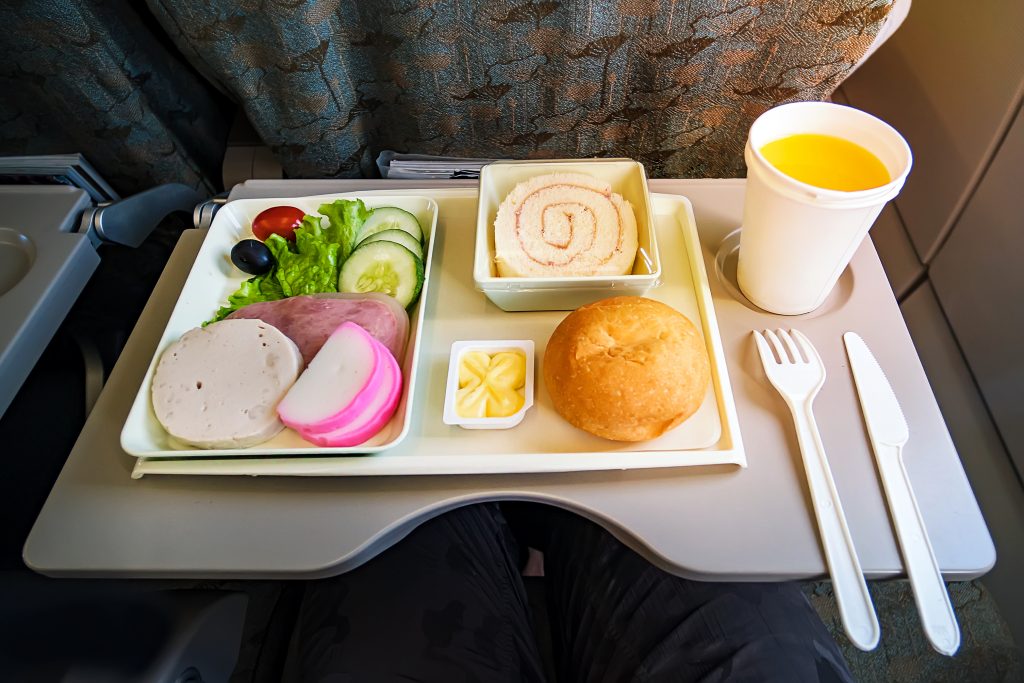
254, 290
345, 216
311, 269
311, 225
310, 264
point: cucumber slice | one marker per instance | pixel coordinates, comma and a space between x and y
398, 237
390, 218
383, 267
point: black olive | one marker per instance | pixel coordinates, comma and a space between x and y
252, 256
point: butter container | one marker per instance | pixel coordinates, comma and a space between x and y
459, 348
626, 177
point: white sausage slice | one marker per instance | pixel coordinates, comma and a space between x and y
219, 386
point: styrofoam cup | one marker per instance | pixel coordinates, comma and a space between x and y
797, 238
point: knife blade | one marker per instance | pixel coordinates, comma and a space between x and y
882, 412
888, 432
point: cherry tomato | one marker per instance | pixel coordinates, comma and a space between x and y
277, 220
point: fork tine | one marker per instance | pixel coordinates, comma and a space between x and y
797, 358
808, 347
777, 345
762, 348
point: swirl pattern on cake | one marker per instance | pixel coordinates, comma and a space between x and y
564, 225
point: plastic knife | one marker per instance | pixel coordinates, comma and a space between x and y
887, 428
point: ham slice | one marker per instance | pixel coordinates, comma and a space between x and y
309, 320
564, 225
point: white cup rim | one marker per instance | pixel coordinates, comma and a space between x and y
894, 184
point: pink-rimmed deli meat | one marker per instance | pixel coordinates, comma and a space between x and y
309, 320
338, 383
564, 225
375, 414
348, 392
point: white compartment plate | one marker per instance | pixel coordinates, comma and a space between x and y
209, 283
543, 442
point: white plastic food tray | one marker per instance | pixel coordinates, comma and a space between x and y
543, 442
209, 283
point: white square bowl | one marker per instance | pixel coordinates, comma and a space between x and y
626, 177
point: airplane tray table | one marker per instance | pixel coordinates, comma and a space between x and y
44, 264
714, 522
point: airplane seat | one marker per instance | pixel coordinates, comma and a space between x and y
80, 632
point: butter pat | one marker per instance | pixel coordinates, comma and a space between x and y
490, 383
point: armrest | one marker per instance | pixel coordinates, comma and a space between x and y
129, 221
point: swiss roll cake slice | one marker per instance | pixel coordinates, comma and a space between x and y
564, 225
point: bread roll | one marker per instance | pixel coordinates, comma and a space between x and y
564, 225
626, 369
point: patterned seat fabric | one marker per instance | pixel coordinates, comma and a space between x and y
97, 78
330, 84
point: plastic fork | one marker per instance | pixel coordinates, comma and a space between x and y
798, 377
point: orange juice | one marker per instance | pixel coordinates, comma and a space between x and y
827, 162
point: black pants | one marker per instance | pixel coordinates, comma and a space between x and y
447, 604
